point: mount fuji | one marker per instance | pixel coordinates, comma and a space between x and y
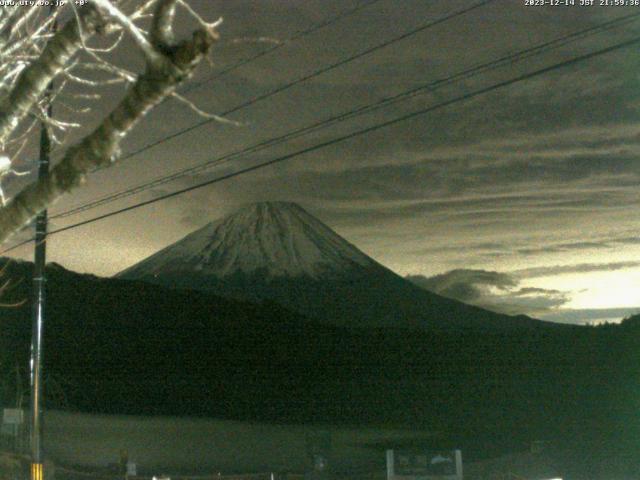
277, 251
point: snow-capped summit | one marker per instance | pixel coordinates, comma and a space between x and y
274, 239
277, 251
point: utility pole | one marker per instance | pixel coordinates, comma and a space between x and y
38, 309
38, 312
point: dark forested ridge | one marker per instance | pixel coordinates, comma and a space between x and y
116, 346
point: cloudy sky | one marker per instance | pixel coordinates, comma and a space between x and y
523, 199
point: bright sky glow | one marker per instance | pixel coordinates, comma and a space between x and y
617, 289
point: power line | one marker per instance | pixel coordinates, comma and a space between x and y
309, 76
194, 85
314, 74
431, 86
296, 36
349, 136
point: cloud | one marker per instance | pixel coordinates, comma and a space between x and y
533, 290
492, 290
463, 285
522, 171
563, 247
576, 268
635, 240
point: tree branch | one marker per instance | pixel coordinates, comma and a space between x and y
101, 147
33, 80
162, 24
127, 24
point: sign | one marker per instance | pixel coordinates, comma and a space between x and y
131, 469
424, 465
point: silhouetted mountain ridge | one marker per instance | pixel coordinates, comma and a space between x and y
121, 346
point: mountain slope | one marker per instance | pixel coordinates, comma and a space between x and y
275, 238
117, 346
278, 251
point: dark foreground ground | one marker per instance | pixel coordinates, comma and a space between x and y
118, 347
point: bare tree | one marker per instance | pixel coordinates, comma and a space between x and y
33, 56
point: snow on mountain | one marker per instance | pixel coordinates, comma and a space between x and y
277, 251
277, 239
